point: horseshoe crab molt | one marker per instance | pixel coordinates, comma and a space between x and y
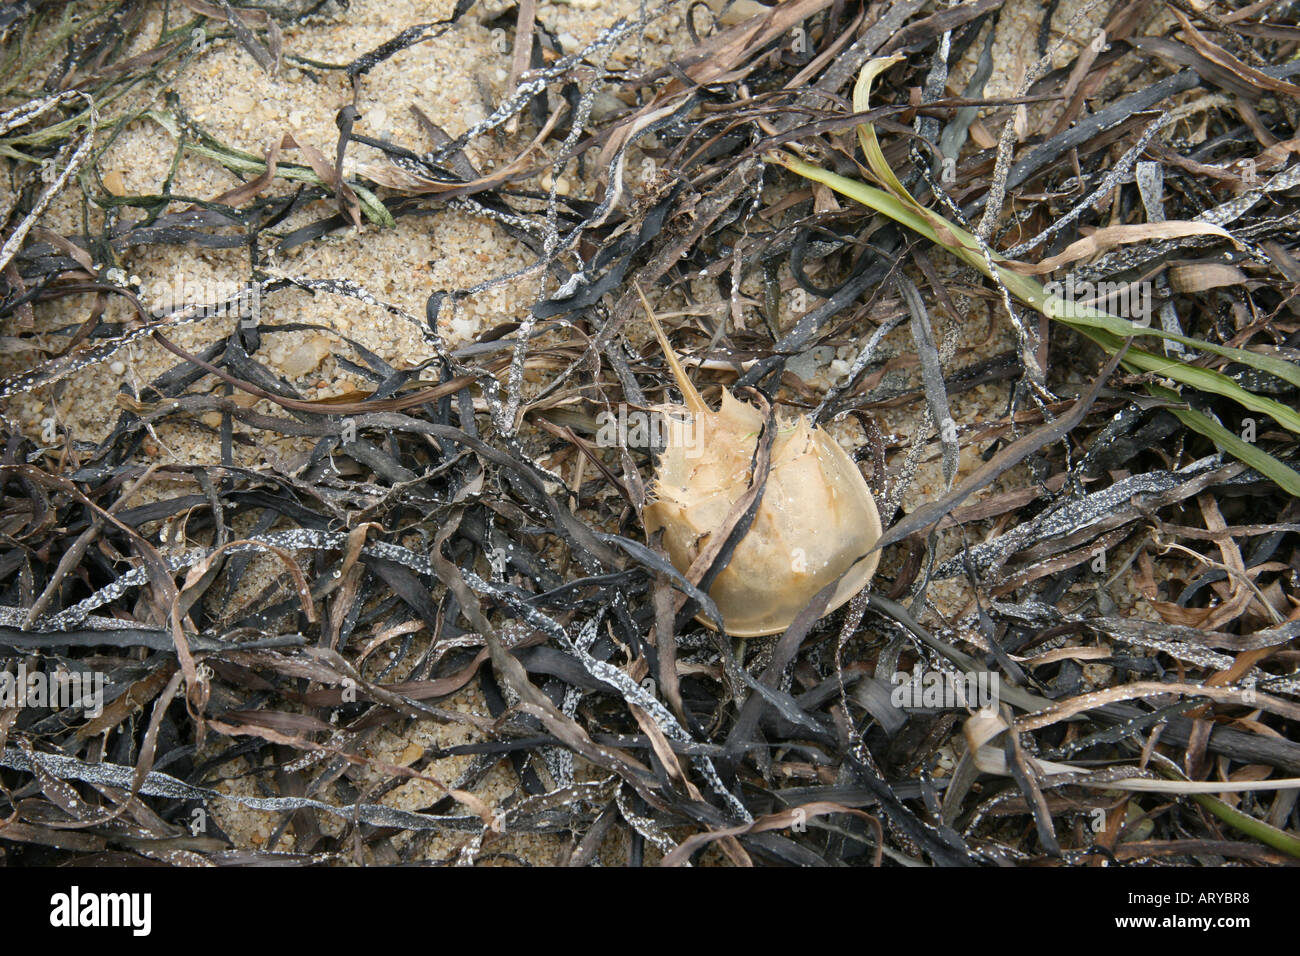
817, 515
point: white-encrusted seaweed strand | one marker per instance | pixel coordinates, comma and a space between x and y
550, 246
157, 784
631, 691
860, 363
644, 825
306, 539
1233, 209
52, 189
55, 370
537, 83
355, 290
1074, 514
559, 760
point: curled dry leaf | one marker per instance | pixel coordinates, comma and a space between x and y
1204, 275
1111, 236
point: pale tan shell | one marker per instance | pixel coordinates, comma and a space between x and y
817, 515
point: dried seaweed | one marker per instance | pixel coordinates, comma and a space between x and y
429, 544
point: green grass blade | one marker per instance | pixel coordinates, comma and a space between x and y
1031, 292
1024, 288
1108, 331
238, 161
1261, 831
1286, 477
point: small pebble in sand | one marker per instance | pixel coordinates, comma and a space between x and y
306, 357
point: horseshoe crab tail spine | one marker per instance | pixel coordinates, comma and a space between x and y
694, 401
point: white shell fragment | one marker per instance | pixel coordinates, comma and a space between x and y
816, 518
